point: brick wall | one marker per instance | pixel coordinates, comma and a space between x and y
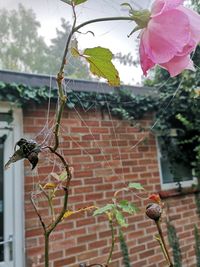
106, 154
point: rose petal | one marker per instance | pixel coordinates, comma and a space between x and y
176, 65
145, 62
161, 6
162, 39
194, 19
188, 48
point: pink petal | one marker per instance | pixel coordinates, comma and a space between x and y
166, 35
145, 62
188, 48
176, 65
194, 19
161, 6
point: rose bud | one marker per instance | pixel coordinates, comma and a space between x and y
153, 211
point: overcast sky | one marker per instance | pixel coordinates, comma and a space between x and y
112, 35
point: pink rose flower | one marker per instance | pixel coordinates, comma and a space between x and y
172, 33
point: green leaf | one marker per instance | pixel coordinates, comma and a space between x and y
63, 176
104, 209
99, 59
127, 207
137, 186
69, 2
120, 218
74, 2
78, 2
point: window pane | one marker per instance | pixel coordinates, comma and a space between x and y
172, 172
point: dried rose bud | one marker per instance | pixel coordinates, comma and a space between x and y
153, 211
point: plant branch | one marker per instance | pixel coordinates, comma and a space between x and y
60, 216
66, 166
113, 242
163, 244
77, 28
49, 199
38, 214
59, 79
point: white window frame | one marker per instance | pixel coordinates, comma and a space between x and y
168, 186
17, 172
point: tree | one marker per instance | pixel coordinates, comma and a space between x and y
75, 67
21, 47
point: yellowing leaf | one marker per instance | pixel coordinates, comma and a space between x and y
74, 48
49, 186
68, 213
74, 52
99, 59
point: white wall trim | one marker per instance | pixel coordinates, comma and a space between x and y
18, 185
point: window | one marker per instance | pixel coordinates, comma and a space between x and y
173, 174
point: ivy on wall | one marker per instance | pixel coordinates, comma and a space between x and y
121, 103
176, 105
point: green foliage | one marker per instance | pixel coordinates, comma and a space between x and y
124, 250
78, 2
115, 211
137, 186
119, 100
104, 209
99, 59
197, 245
174, 244
74, 2
178, 107
21, 48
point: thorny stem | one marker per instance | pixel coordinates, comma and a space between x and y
113, 242
62, 99
164, 246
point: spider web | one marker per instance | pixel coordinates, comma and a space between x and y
46, 135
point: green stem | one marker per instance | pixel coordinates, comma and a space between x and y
163, 244
113, 242
77, 28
